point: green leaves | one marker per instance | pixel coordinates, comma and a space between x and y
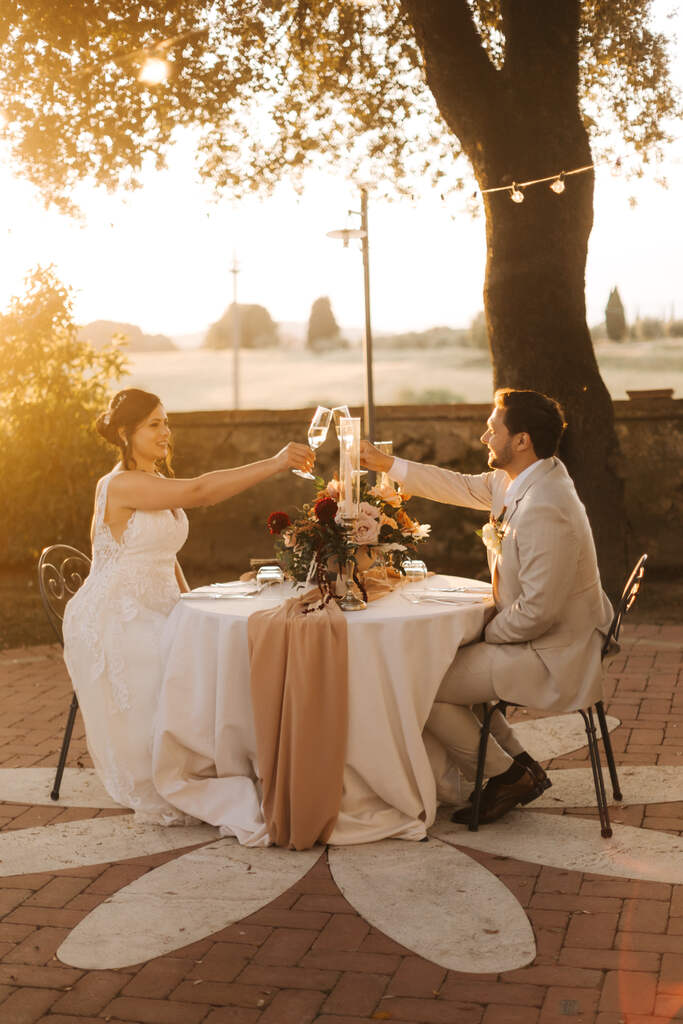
52, 386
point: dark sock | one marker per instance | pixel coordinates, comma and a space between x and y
525, 759
513, 774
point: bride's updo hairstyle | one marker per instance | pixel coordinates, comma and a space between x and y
127, 410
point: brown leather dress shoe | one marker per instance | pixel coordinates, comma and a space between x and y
498, 798
534, 767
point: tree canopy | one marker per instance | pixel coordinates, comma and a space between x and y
271, 87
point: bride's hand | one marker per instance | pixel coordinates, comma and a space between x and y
295, 456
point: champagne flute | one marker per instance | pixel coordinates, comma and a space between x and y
340, 412
317, 432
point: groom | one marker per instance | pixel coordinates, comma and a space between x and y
542, 645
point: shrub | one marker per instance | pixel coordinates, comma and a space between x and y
51, 388
676, 329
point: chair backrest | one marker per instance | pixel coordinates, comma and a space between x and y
629, 594
61, 571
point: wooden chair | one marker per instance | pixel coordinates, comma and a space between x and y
609, 648
61, 571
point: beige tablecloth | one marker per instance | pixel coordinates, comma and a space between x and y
205, 745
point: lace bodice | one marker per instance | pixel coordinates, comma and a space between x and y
142, 561
127, 576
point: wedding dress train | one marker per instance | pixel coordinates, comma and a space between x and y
112, 633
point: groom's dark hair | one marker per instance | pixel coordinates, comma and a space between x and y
537, 415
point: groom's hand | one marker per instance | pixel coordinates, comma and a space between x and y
371, 458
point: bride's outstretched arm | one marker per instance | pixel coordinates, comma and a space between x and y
135, 489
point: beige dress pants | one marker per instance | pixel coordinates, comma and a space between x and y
455, 718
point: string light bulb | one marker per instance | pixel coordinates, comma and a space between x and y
558, 184
154, 71
516, 194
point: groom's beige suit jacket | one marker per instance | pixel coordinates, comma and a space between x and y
549, 596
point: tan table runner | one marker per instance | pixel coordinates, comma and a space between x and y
299, 689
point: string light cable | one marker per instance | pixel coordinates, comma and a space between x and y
557, 184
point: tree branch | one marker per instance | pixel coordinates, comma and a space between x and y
542, 39
459, 73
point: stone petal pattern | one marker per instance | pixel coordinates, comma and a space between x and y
80, 787
574, 844
183, 901
423, 896
640, 784
94, 841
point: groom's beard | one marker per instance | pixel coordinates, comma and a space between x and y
503, 458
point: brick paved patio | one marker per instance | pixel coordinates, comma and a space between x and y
608, 950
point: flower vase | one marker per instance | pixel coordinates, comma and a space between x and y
351, 601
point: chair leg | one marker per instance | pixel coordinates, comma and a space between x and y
607, 744
601, 798
481, 761
54, 795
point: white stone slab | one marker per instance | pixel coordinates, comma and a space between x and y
640, 784
560, 734
80, 787
181, 902
575, 844
445, 908
94, 841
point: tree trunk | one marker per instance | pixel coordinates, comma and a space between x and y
515, 124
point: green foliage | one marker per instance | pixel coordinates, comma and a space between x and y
51, 388
615, 318
336, 79
256, 328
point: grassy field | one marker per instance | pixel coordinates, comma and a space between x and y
289, 379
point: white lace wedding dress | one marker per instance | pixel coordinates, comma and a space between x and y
112, 632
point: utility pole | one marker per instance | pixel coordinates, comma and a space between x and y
236, 335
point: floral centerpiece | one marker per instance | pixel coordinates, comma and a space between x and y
317, 542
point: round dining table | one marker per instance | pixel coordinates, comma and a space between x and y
398, 651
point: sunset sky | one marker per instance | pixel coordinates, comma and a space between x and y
161, 257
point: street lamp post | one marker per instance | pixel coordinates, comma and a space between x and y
236, 332
345, 234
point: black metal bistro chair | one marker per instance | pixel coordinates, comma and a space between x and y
609, 648
61, 572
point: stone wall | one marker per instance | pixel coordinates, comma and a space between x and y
223, 538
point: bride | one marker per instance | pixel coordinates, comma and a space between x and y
113, 624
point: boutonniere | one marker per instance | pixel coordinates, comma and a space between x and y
492, 533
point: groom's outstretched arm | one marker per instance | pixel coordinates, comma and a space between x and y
445, 485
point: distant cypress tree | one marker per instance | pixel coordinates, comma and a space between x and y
615, 318
322, 326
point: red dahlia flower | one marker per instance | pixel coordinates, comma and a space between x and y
278, 521
325, 509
